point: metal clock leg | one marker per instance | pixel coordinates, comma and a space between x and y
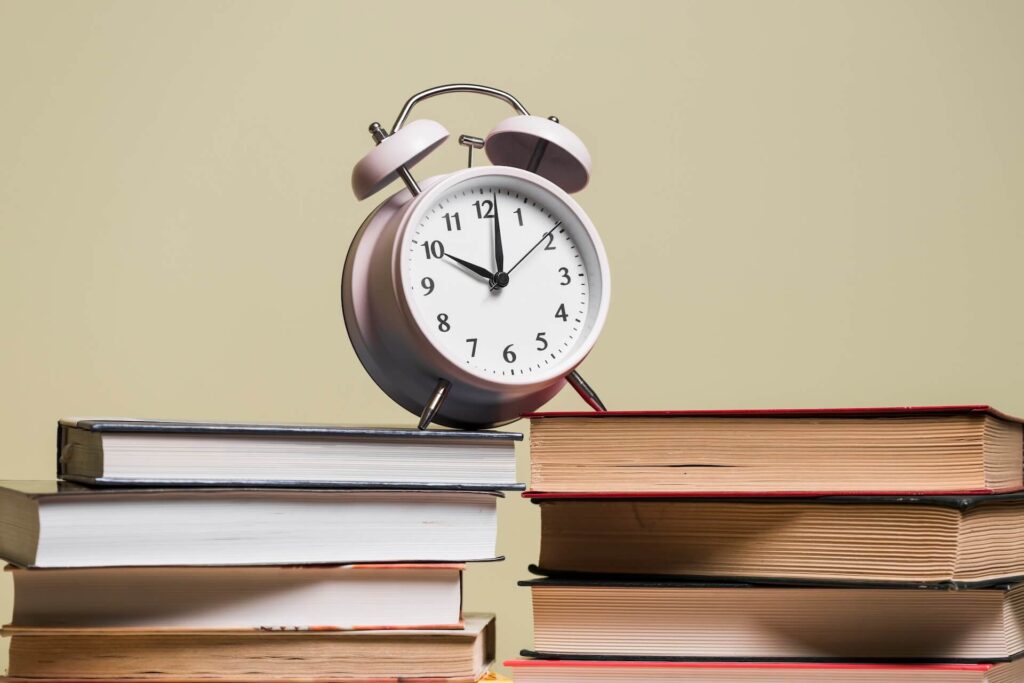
585, 391
435, 402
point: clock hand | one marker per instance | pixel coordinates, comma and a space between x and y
482, 272
499, 252
542, 238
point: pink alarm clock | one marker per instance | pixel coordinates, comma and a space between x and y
471, 298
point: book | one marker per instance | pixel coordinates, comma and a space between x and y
319, 598
153, 452
62, 524
679, 621
606, 671
925, 450
969, 540
69, 654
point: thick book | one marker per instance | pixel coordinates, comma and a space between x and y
925, 450
645, 620
69, 654
118, 452
611, 671
967, 540
317, 598
62, 524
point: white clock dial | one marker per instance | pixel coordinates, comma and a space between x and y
514, 304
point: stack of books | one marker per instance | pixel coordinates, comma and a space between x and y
801, 545
196, 551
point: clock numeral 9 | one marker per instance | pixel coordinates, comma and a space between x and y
565, 276
560, 313
427, 284
433, 249
442, 322
451, 219
473, 341
542, 340
508, 354
484, 209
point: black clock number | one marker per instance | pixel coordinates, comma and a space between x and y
542, 340
442, 322
550, 246
484, 209
560, 313
433, 249
519, 215
473, 341
508, 354
451, 219
427, 284
565, 276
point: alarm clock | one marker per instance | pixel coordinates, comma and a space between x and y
472, 297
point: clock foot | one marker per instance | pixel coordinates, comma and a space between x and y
586, 393
437, 398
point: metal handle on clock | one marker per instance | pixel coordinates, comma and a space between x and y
453, 88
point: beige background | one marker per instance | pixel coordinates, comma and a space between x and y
805, 204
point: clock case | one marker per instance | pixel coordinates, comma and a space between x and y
389, 342
393, 348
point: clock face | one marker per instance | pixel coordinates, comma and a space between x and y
503, 277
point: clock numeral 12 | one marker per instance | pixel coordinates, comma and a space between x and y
484, 209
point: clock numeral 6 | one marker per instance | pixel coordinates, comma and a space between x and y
427, 284
508, 354
542, 340
565, 276
473, 341
433, 249
442, 322
560, 313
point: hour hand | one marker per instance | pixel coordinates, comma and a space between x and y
472, 267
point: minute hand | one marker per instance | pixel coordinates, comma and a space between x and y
542, 238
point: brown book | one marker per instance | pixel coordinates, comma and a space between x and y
540, 671
665, 621
963, 540
926, 450
455, 656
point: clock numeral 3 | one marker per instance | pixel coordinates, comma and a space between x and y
542, 340
442, 322
560, 313
433, 249
565, 276
427, 284
508, 354
472, 340
451, 219
484, 209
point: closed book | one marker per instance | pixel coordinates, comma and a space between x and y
69, 654
925, 450
309, 598
611, 671
644, 620
62, 524
966, 540
119, 452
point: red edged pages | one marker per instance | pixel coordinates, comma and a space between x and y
927, 450
543, 671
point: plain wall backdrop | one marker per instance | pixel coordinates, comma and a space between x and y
804, 204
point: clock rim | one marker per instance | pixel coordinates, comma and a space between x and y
437, 357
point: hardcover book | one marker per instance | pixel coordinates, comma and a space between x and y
117, 452
924, 450
62, 524
969, 540
540, 671
644, 620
